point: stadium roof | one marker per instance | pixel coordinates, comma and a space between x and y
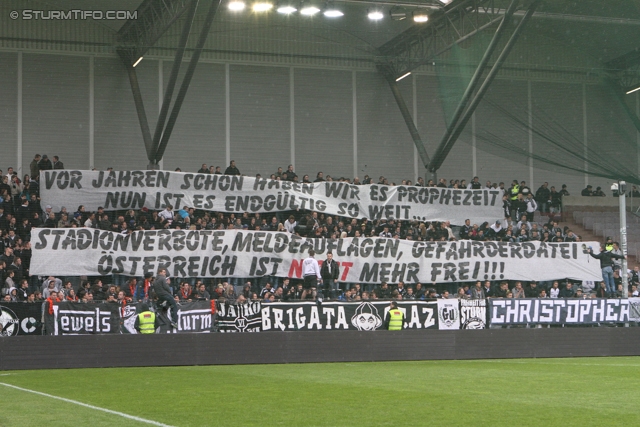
565, 35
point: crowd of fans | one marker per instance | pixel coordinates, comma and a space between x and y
20, 211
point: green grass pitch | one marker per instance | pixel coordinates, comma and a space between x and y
520, 392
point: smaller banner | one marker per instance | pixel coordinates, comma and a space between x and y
363, 316
195, 317
558, 311
128, 315
634, 309
72, 318
473, 314
448, 314
20, 318
239, 317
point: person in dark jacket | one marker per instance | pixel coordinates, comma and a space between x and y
601, 292
532, 290
142, 288
587, 191
519, 205
232, 169
201, 293
57, 164
330, 271
165, 298
567, 291
556, 200
606, 264
383, 292
543, 197
45, 164
33, 167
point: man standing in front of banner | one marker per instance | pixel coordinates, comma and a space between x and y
48, 311
163, 292
146, 321
606, 264
330, 273
311, 274
394, 318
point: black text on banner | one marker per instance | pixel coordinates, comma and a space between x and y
235, 253
154, 189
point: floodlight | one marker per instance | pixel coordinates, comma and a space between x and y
309, 10
420, 16
332, 12
262, 7
287, 9
236, 5
375, 14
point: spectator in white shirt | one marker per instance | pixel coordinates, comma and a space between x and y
554, 292
311, 275
89, 223
291, 225
167, 214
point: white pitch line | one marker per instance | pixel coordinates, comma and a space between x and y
553, 363
97, 408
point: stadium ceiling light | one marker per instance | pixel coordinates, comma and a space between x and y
375, 14
287, 9
630, 90
137, 62
403, 76
236, 5
420, 16
309, 9
262, 7
332, 12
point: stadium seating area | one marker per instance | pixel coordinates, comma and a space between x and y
25, 208
607, 224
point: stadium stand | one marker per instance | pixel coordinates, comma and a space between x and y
21, 211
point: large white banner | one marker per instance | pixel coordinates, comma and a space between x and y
235, 253
115, 190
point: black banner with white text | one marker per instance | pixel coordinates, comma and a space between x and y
239, 317
72, 318
557, 311
364, 316
20, 318
473, 314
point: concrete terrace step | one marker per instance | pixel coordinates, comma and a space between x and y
610, 228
